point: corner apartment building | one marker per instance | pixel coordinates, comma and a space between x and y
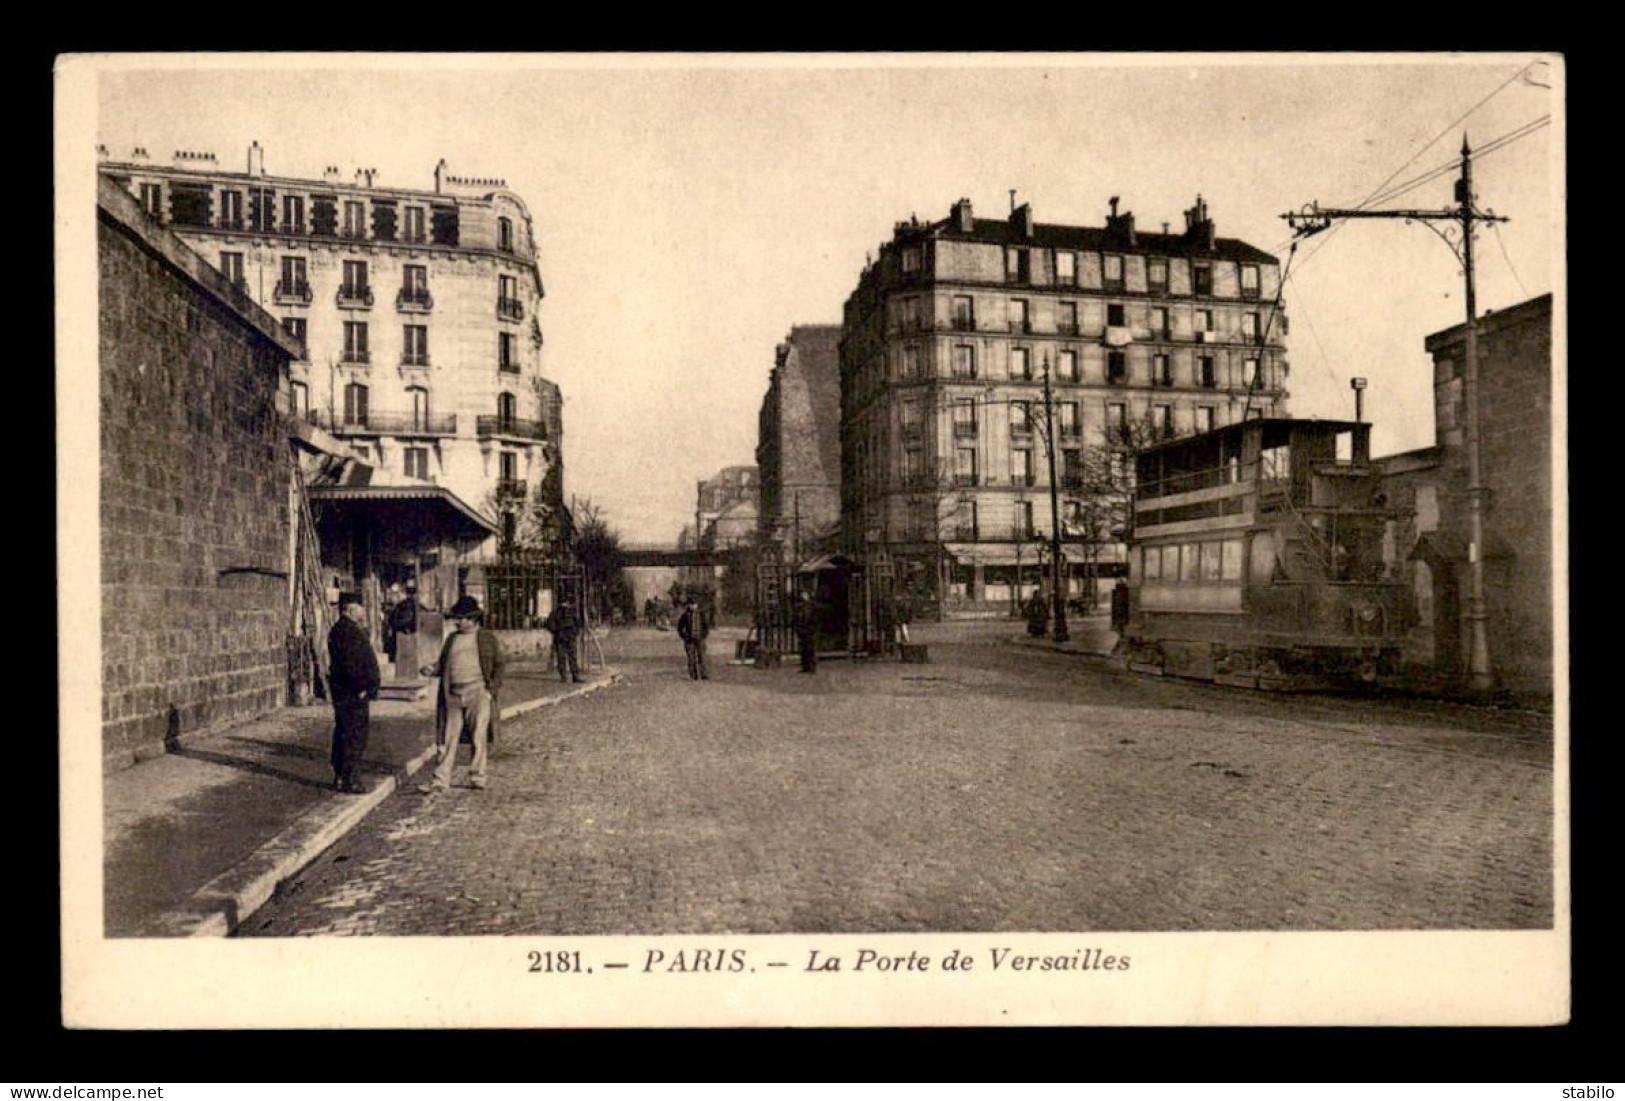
418, 309
798, 448
943, 354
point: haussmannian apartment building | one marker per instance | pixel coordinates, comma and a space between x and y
945, 341
417, 308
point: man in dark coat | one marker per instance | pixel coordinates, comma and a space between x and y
352, 682
806, 625
565, 626
692, 629
470, 671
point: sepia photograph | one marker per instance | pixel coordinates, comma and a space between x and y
838, 539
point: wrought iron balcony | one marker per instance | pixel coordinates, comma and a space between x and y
965, 431
1022, 531
387, 424
354, 297
356, 356
510, 309
414, 359
966, 480
511, 489
418, 237
414, 299
1021, 326
231, 223
353, 233
518, 428
291, 294
965, 324
1067, 328
965, 532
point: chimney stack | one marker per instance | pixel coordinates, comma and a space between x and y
256, 159
331, 174
963, 221
440, 177
1022, 219
1199, 226
1120, 226
139, 153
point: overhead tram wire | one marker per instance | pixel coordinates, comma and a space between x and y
1505, 256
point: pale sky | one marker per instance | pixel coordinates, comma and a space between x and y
690, 210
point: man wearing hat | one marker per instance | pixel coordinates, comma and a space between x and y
470, 672
352, 681
692, 629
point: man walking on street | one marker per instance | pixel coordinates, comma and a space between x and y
692, 629
352, 681
565, 627
470, 672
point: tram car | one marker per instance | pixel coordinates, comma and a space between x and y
1260, 556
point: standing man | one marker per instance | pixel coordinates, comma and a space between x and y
692, 629
806, 625
470, 672
352, 682
565, 626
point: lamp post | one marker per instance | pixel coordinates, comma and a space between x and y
1057, 596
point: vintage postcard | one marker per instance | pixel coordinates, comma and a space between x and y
872, 539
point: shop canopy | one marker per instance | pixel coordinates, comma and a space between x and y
434, 512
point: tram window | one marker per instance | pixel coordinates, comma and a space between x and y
1345, 447
1189, 562
1230, 552
1275, 462
1151, 569
1263, 558
1210, 561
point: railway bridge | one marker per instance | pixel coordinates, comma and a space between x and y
657, 554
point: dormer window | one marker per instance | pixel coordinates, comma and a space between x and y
1201, 279
1017, 266
911, 261
1066, 269
1249, 280
1112, 272
505, 234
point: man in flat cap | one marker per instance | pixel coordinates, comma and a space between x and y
470, 672
352, 682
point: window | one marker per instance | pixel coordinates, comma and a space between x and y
1212, 567
293, 284
415, 345
1116, 367
507, 410
415, 285
913, 466
355, 404
1115, 314
1066, 318
1116, 415
231, 266
1020, 319
965, 418
1249, 372
1163, 418
1021, 466
231, 210
1021, 417
1204, 367
965, 516
414, 234
152, 199
419, 397
354, 290
913, 425
1201, 279
261, 209
965, 466
911, 361
355, 342
1204, 418
1249, 326
1156, 273
1021, 363
293, 214
507, 352
1249, 280
1066, 269
507, 286
1066, 365
1024, 515
1204, 321
964, 312
417, 462
1017, 266
355, 218
1162, 369
505, 234
295, 327
1111, 268
1151, 568
1230, 560
1069, 418
964, 361
508, 304
508, 466
1275, 463
1160, 326
1071, 466
911, 261
1190, 562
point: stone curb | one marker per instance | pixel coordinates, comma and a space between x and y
220, 906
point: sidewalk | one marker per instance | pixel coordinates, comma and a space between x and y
196, 840
1089, 634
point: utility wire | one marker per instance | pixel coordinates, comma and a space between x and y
1500, 241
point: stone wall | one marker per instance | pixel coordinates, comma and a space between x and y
195, 479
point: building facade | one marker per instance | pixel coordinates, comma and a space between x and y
197, 491
417, 309
1515, 421
798, 449
945, 347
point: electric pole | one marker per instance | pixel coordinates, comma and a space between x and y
1056, 595
1314, 220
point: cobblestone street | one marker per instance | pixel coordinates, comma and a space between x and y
998, 788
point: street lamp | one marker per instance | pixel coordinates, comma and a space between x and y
1057, 596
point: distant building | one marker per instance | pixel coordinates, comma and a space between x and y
726, 506
1515, 412
945, 342
417, 310
798, 449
